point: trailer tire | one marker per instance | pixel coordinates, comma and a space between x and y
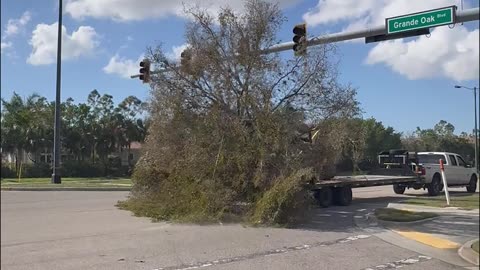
435, 186
342, 196
324, 197
398, 189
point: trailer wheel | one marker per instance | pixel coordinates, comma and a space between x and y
324, 197
342, 196
398, 189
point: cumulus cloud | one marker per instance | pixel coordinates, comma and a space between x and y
5, 45
363, 13
122, 67
450, 53
81, 42
174, 55
14, 26
128, 10
125, 67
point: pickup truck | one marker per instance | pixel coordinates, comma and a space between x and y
457, 172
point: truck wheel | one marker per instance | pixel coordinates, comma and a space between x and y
435, 186
472, 185
324, 197
342, 196
398, 189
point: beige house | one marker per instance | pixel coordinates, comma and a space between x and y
130, 156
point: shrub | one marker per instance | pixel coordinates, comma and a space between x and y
75, 168
39, 169
29, 170
7, 172
286, 202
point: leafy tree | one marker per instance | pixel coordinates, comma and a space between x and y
230, 124
89, 130
24, 126
441, 138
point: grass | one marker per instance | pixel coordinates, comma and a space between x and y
464, 202
391, 214
67, 182
475, 246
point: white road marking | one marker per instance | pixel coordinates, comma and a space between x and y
399, 263
206, 264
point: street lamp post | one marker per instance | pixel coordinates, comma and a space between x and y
476, 131
56, 175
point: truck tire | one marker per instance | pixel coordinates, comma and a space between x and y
398, 189
324, 197
342, 196
435, 186
472, 185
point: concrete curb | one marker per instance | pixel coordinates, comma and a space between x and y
436, 210
468, 254
405, 222
66, 188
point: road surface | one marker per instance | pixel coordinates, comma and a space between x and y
84, 230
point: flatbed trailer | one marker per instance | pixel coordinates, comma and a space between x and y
338, 190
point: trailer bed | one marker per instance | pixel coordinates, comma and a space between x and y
363, 181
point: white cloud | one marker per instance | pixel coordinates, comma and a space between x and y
14, 26
5, 45
174, 55
44, 43
128, 10
363, 13
122, 67
450, 53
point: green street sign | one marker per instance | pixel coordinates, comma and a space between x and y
424, 19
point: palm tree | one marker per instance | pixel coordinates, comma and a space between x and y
23, 125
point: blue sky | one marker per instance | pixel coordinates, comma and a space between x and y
403, 83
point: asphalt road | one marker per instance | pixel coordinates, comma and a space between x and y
84, 230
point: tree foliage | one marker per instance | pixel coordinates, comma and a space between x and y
90, 131
441, 138
230, 124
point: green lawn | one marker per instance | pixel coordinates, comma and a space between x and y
457, 200
391, 214
67, 182
475, 246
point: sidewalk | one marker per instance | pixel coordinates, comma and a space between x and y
449, 233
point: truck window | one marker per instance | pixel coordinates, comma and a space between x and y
431, 159
461, 162
453, 161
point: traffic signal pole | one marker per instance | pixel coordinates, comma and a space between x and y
57, 146
461, 16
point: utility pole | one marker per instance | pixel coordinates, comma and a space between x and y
57, 148
475, 131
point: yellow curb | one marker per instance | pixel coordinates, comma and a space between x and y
429, 239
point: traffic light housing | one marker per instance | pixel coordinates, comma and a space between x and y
300, 39
145, 71
185, 58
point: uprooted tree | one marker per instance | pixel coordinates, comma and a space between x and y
232, 127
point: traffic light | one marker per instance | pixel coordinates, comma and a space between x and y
145, 70
185, 58
300, 39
